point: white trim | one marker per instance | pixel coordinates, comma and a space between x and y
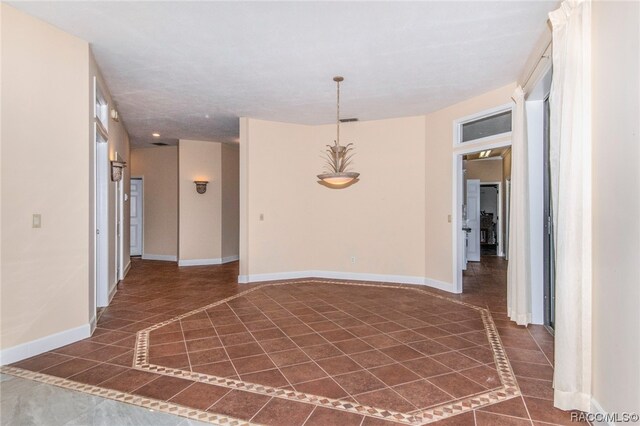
164, 257
199, 262
596, 408
112, 292
93, 323
44, 344
203, 262
127, 268
355, 276
473, 148
457, 125
488, 159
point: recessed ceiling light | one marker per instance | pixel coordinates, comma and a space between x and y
155, 135
206, 116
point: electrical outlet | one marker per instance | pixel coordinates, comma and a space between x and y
261, 216
37, 220
353, 260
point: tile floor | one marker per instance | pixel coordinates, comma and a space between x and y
28, 402
312, 353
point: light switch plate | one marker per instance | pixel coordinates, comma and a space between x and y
37, 220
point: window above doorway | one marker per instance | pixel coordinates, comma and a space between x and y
484, 126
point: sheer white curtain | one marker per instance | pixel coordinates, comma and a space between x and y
570, 157
519, 268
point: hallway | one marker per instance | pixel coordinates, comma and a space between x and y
190, 341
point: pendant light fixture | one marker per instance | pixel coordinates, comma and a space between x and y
338, 157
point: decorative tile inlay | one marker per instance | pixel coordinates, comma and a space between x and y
154, 404
252, 322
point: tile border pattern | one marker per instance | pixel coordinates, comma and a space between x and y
508, 390
150, 403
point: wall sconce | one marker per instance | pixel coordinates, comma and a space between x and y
117, 168
201, 186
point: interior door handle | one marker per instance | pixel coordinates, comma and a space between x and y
467, 229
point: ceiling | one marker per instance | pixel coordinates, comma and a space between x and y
190, 69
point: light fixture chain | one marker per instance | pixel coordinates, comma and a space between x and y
338, 111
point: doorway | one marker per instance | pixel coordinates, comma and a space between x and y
136, 217
481, 177
549, 249
491, 219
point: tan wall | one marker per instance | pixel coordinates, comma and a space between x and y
438, 177
616, 203
200, 215
45, 170
230, 200
485, 170
159, 169
379, 220
394, 221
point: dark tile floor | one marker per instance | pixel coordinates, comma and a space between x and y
381, 348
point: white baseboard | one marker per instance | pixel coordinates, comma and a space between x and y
596, 408
44, 344
199, 262
202, 262
165, 257
356, 276
93, 324
127, 268
112, 292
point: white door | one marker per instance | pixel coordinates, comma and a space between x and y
507, 215
135, 198
102, 221
473, 220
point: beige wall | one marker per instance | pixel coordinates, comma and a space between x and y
394, 221
159, 169
200, 215
485, 170
306, 226
230, 200
616, 203
45, 170
438, 177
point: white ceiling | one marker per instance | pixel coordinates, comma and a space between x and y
170, 64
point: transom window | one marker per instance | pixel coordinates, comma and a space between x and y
484, 125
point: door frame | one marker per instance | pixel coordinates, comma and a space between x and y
500, 249
475, 231
457, 237
119, 226
141, 179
